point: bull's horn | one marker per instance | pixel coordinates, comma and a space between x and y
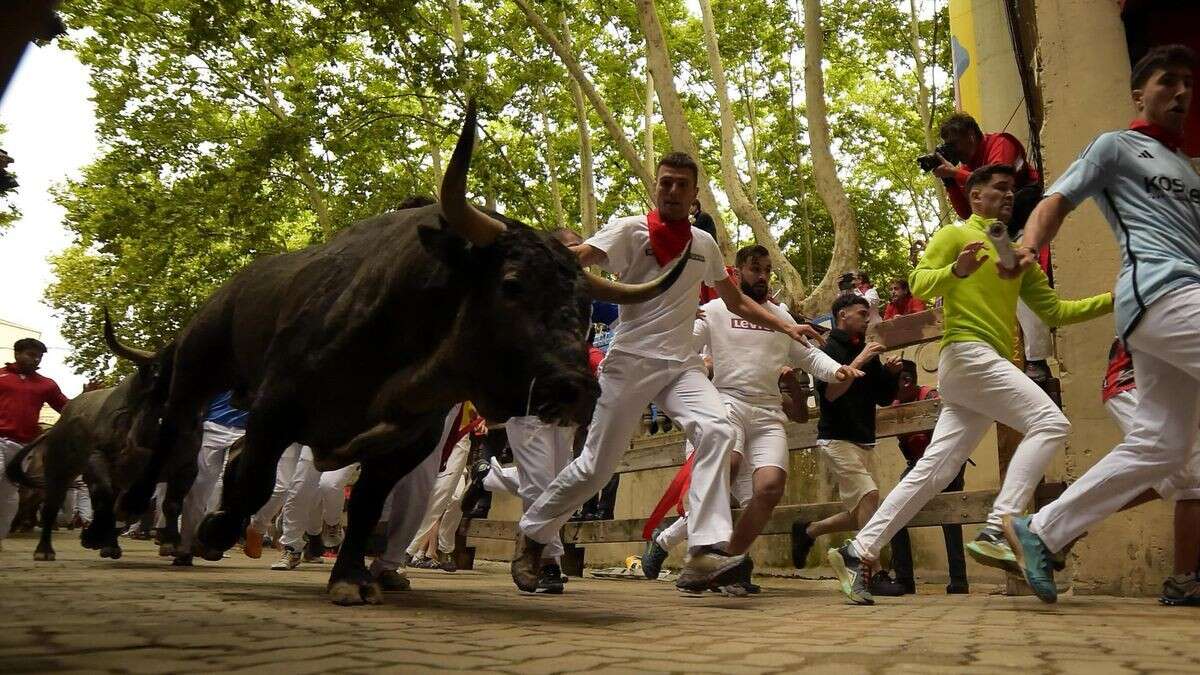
469, 222
627, 294
138, 356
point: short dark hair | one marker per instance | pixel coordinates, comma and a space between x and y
25, 344
959, 124
845, 300
909, 366
748, 253
846, 281
679, 160
903, 283
983, 175
1160, 58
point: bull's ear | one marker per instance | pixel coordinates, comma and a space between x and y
444, 245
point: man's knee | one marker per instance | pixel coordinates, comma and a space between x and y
770, 492
1055, 426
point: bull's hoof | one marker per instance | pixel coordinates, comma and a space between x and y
354, 587
211, 555
92, 538
111, 551
219, 531
169, 550
182, 561
43, 554
350, 593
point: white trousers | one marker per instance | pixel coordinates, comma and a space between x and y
761, 440
210, 465
77, 502
444, 510
314, 499
540, 451
1039, 344
1166, 355
503, 479
627, 384
1182, 485
10, 495
283, 478
978, 387
409, 499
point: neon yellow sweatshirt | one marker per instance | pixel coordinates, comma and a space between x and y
983, 307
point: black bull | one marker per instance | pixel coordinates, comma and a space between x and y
96, 436
360, 346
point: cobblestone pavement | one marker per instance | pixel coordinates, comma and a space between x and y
138, 614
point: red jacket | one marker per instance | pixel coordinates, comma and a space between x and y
998, 148
911, 305
21, 399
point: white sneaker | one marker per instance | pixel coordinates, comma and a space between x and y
288, 560
332, 535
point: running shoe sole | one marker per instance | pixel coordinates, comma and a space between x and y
999, 557
834, 557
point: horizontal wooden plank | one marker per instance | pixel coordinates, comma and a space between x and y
666, 450
906, 331
947, 508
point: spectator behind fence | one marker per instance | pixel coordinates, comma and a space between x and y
903, 302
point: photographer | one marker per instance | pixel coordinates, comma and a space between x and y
965, 148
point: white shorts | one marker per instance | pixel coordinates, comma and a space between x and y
760, 436
1184, 485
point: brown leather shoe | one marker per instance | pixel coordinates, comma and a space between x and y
254, 543
526, 564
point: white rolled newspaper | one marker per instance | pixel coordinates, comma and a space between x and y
998, 234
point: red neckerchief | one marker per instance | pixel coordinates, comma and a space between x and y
667, 238
672, 498
1171, 139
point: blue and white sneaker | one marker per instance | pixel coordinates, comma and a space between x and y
1036, 561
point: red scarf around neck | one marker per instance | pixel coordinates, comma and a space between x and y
1173, 140
667, 238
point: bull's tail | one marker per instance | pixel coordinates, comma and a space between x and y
15, 470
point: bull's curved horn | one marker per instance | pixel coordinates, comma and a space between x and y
469, 222
138, 356
627, 294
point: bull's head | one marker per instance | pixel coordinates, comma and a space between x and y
530, 307
146, 389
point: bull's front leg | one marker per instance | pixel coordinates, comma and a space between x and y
249, 480
102, 532
178, 484
56, 491
350, 582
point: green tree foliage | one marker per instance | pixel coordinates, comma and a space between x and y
232, 130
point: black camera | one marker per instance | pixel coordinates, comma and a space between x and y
930, 162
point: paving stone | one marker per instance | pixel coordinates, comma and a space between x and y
140, 615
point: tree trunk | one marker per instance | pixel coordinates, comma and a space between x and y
456, 27
923, 107
648, 123
435, 148
587, 181
628, 152
560, 217
801, 187
659, 62
829, 186
793, 285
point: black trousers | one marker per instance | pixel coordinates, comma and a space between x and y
902, 562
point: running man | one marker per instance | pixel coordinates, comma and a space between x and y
1149, 192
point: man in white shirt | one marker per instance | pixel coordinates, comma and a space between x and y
747, 361
652, 358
